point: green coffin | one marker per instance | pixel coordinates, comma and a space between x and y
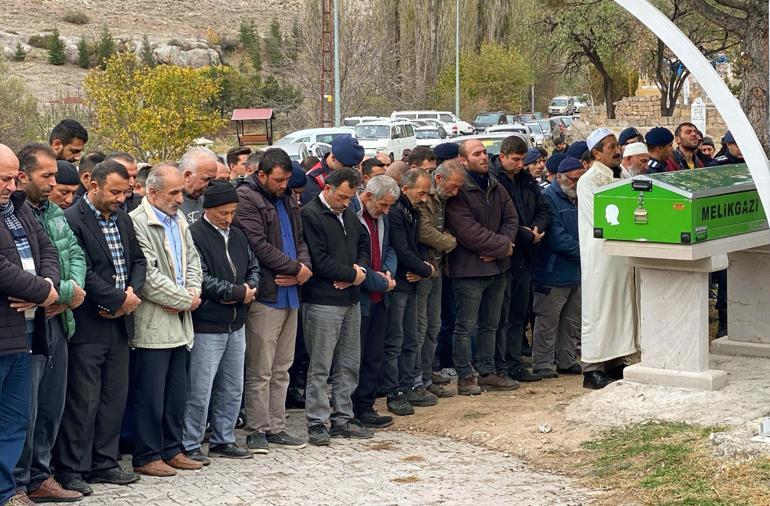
683, 207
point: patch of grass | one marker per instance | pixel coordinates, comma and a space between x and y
671, 463
76, 18
40, 41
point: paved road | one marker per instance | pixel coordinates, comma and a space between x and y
391, 468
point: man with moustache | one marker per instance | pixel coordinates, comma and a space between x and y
608, 328
685, 156
635, 158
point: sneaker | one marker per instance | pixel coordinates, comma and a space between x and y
440, 392
468, 386
574, 369
439, 379
545, 373
399, 405
374, 421
198, 456
51, 491
20, 499
229, 451
283, 439
497, 381
317, 435
420, 397
525, 376
352, 429
256, 442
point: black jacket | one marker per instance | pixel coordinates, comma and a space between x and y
315, 178
333, 251
100, 277
16, 282
220, 283
531, 207
405, 240
725, 159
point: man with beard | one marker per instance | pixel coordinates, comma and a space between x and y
129, 162
685, 155
635, 158
608, 303
67, 184
67, 139
198, 167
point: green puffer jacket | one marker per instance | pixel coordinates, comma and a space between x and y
72, 260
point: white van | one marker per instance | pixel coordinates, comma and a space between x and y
456, 125
392, 136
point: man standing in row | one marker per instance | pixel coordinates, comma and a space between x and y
97, 382
198, 166
164, 328
129, 162
270, 218
346, 152
483, 220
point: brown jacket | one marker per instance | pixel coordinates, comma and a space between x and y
433, 233
484, 224
258, 218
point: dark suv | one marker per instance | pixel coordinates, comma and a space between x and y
485, 120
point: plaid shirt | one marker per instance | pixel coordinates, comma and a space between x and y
111, 233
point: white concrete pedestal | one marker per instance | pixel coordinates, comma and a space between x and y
748, 305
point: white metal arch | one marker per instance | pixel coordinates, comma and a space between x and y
715, 87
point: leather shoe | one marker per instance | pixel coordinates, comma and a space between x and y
616, 372
51, 491
76, 483
185, 463
198, 456
156, 468
115, 476
573, 369
596, 380
524, 376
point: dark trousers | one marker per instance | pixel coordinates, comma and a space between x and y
160, 389
97, 385
513, 318
372, 349
49, 385
298, 369
401, 345
14, 416
445, 335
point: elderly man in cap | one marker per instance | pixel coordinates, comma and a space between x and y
556, 279
629, 136
534, 163
707, 150
660, 145
230, 281
552, 168
635, 158
67, 183
346, 152
608, 330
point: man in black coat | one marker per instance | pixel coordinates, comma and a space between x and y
534, 217
97, 384
29, 268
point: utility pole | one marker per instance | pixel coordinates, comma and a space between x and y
328, 49
336, 64
457, 59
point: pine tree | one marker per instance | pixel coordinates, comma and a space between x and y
147, 55
84, 54
293, 43
56, 55
274, 43
105, 48
19, 55
252, 44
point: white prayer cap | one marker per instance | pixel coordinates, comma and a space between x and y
635, 148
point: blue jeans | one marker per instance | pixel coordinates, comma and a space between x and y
478, 302
15, 393
216, 379
428, 327
401, 344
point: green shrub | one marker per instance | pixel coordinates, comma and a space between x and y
19, 55
56, 54
40, 41
76, 18
84, 54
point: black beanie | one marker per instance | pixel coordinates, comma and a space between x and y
66, 173
219, 193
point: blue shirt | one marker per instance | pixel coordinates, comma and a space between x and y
174, 239
288, 296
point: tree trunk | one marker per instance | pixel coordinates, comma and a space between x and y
609, 94
433, 20
754, 85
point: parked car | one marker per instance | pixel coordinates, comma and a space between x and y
430, 135
515, 127
392, 136
313, 135
298, 151
455, 125
491, 140
545, 124
537, 133
485, 120
561, 106
352, 121
580, 103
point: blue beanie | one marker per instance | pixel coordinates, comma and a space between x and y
532, 156
576, 149
568, 164
298, 178
347, 150
627, 134
659, 136
553, 163
66, 173
728, 138
446, 151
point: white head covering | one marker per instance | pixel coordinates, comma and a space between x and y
596, 136
635, 148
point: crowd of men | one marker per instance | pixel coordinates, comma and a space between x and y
145, 310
